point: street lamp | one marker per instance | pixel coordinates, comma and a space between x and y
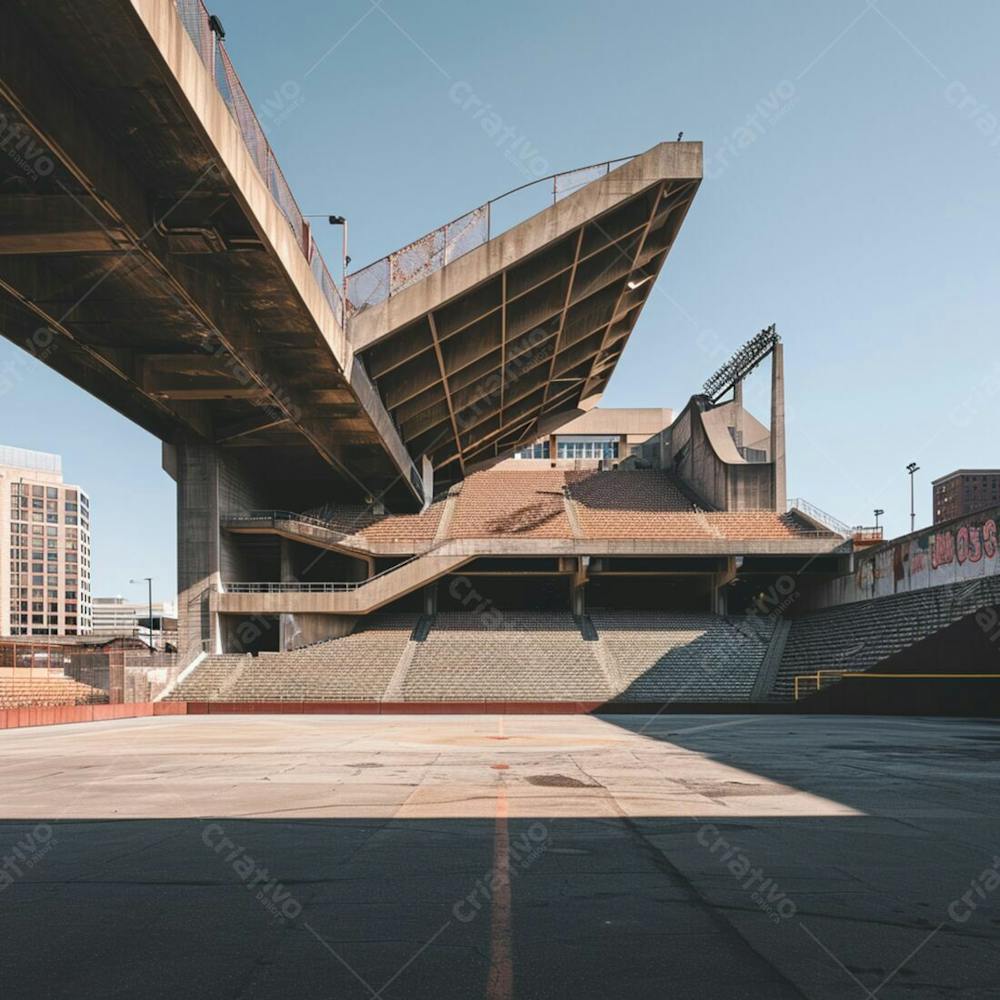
338, 220
149, 582
911, 469
878, 513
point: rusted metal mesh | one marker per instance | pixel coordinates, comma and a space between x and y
386, 277
369, 286
194, 17
195, 20
383, 279
325, 281
573, 180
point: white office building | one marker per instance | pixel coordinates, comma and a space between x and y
44, 547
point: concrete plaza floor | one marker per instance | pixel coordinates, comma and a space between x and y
495, 857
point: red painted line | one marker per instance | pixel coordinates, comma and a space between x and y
501, 979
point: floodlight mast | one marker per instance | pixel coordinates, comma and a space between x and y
742, 363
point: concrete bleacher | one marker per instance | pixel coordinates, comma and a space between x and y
858, 636
503, 656
683, 657
356, 667
507, 656
518, 504
25, 691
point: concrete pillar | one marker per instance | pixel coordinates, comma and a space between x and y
778, 425
553, 449
427, 475
210, 484
198, 550
431, 599
738, 412
287, 623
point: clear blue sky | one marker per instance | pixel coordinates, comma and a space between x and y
852, 198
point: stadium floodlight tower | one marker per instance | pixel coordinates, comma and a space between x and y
741, 364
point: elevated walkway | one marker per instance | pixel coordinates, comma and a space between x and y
349, 598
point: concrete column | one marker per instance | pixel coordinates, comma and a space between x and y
778, 425
738, 412
427, 475
198, 549
287, 623
431, 599
210, 484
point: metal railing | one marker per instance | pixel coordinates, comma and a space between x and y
332, 587
389, 275
197, 22
811, 510
822, 679
332, 527
289, 515
806, 684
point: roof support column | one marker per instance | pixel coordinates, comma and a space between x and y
778, 425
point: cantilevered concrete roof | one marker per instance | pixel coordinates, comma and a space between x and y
519, 335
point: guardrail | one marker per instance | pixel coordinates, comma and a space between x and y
199, 25
822, 679
389, 275
833, 523
394, 272
817, 678
290, 515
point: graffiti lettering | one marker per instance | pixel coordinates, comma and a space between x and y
990, 539
968, 544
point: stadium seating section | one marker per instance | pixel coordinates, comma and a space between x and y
859, 636
19, 691
516, 656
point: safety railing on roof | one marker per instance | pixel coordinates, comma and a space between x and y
811, 510
398, 270
391, 274
205, 32
859, 533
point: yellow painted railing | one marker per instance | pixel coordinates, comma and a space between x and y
821, 678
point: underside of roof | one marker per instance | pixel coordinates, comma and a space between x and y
467, 378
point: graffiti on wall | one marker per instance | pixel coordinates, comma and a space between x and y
966, 550
969, 543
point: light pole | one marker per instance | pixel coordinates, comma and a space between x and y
878, 513
911, 469
338, 220
149, 582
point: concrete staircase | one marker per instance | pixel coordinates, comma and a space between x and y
666, 656
516, 656
357, 667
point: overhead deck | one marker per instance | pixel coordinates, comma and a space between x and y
519, 335
145, 257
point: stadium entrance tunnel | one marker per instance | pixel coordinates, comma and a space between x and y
251, 633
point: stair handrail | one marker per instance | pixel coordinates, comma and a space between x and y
324, 587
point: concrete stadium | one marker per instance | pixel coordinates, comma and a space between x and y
482, 689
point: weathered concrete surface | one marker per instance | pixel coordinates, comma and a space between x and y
386, 834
